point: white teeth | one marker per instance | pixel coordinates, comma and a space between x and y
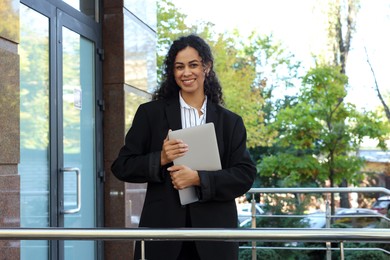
188, 81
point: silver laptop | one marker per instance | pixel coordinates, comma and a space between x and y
202, 154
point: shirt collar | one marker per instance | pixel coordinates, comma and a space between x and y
183, 104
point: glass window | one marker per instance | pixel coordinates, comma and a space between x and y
34, 165
145, 10
140, 54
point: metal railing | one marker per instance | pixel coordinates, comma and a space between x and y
281, 234
328, 215
206, 234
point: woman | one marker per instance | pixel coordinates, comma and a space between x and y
189, 95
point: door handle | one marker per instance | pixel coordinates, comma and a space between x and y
78, 183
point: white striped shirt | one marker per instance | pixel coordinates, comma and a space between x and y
190, 116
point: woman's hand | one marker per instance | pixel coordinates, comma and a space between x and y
172, 149
183, 177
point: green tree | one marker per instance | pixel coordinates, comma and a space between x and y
277, 73
237, 76
320, 135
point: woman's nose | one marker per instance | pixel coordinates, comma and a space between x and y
187, 71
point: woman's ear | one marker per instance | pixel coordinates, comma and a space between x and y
207, 68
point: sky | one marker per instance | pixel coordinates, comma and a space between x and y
299, 25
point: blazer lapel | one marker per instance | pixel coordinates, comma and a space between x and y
173, 114
211, 113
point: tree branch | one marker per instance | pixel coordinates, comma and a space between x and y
386, 108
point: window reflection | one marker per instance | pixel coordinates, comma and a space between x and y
71, 92
140, 55
132, 101
34, 128
9, 27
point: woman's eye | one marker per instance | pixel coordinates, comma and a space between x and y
179, 67
194, 65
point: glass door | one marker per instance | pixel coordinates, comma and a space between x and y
77, 176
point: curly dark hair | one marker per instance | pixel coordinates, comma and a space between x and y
169, 88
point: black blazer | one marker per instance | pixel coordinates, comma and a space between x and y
139, 161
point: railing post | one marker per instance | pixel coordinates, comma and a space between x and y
253, 225
143, 250
328, 214
327, 225
341, 250
253, 211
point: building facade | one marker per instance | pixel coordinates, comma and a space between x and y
72, 74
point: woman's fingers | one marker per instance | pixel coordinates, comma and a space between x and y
175, 148
183, 176
172, 149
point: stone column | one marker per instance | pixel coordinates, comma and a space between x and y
9, 125
114, 125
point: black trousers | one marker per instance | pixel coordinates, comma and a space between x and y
188, 249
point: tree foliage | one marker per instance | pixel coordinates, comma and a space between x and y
237, 75
321, 134
276, 73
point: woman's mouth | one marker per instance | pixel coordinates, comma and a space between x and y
188, 82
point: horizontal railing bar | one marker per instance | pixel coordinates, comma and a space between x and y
319, 190
318, 248
266, 234
308, 215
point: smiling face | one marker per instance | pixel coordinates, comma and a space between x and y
190, 72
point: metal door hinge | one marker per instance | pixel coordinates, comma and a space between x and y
102, 176
101, 104
100, 52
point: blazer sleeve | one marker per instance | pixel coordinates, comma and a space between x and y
135, 162
238, 170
